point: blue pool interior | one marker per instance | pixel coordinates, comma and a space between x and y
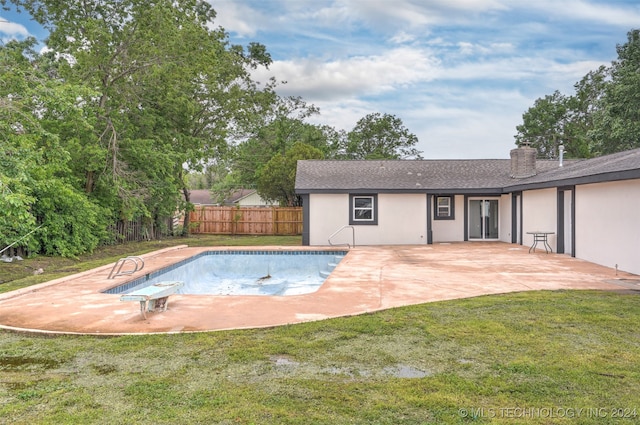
244, 273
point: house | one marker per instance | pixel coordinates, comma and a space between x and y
591, 206
200, 197
246, 198
241, 197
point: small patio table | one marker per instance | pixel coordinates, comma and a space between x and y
540, 237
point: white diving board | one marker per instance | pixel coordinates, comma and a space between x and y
153, 297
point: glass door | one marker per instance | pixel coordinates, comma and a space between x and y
483, 219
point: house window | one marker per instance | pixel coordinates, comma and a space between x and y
444, 207
363, 209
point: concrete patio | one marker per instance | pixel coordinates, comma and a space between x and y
368, 279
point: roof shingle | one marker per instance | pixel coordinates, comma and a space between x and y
446, 175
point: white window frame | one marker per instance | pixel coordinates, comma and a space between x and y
448, 209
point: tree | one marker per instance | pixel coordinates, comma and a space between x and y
277, 126
378, 136
36, 181
544, 124
603, 116
617, 122
276, 182
168, 88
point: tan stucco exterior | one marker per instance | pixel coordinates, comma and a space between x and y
605, 220
451, 230
401, 220
608, 224
539, 214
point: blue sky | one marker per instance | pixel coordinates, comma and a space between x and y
459, 73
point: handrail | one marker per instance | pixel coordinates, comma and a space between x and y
21, 238
353, 235
137, 262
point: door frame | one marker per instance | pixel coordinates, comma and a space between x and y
467, 216
563, 216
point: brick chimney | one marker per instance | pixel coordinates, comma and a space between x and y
523, 162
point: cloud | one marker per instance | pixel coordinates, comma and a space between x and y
617, 15
354, 76
238, 17
12, 30
459, 73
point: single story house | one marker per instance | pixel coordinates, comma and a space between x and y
590, 207
241, 197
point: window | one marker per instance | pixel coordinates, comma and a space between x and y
444, 207
363, 209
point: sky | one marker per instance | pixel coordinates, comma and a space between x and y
458, 73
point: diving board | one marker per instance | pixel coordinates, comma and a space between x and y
153, 297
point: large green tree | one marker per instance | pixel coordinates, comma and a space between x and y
381, 136
37, 186
617, 121
601, 117
280, 123
168, 88
276, 180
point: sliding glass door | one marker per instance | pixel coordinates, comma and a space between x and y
483, 219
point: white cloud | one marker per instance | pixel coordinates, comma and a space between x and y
459, 73
12, 30
355, 76
403, 37
237, 17
582, 10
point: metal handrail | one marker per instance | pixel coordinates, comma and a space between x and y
21, 238
138, 264
353, 236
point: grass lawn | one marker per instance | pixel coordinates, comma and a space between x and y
536, 357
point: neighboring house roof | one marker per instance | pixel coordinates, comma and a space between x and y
200, 197
460, 176
238, 195
203, 196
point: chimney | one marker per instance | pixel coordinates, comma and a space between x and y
523, 162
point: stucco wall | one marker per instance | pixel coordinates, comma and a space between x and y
327, 213
608, 224
505, 218
401, 220
450, 230
540, 213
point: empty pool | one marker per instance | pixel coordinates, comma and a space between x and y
245, 273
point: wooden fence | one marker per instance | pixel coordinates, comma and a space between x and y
137, 230
246, 220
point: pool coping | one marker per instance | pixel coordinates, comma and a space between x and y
368, 279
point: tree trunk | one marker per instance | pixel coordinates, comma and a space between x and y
187, 211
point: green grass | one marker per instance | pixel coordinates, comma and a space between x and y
536, 357
487, 355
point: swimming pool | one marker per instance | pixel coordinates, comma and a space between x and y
244, 273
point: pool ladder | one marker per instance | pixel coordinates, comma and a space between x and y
138, 264
353, 236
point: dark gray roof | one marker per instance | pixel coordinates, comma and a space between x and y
617, 166
459, 176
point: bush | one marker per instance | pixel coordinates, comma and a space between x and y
72, 225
